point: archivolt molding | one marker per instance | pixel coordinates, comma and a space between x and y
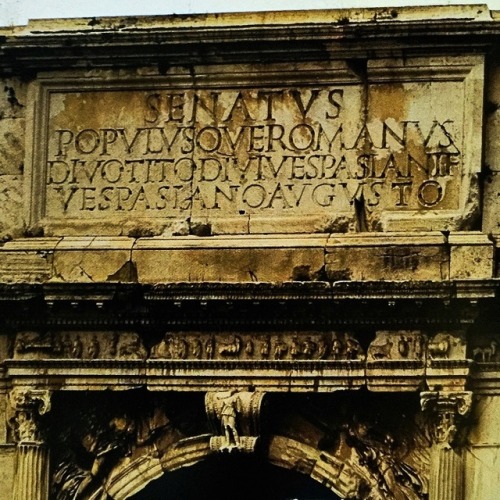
340, 477
353, 457
344, 479
131, 476
349, 479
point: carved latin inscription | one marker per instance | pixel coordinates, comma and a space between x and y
245, 150
158, 151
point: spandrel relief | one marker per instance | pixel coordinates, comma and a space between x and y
91, 440
371, 447
367, 447
393, 461
379, 454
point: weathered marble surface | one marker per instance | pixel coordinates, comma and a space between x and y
350, 148
255, 258
365, 152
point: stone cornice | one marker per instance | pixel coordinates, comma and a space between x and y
232, 305
201, 39
262, 291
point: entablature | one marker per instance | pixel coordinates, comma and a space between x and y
265, 36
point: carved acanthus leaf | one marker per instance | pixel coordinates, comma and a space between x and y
445, 408
28, 405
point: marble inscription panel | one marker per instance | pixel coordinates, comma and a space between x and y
326, 152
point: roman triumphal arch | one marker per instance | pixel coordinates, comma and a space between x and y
251, 256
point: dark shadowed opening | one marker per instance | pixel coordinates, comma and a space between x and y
234, 477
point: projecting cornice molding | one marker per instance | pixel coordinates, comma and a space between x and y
54, 292
213, 38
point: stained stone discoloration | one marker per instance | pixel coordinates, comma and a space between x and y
13, 98
12, 146
11, 207
301, 204
235, 260
416, 257
471, 254
74, 262
263, 157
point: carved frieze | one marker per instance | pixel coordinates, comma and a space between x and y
397, 345
79, 345
394, 359
38, 344
189, 346
416, 346
447, 346
485, 349
409, 345
257, 346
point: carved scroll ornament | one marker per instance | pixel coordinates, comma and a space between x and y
446, 408
28, 405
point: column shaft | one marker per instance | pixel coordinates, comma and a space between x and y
32, 472
446, 474
447, 470
31, 481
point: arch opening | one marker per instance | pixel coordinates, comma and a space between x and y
231, 476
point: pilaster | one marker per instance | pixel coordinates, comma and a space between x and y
446, 410
31, 481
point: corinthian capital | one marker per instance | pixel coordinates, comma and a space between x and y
28, 405
446, 408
